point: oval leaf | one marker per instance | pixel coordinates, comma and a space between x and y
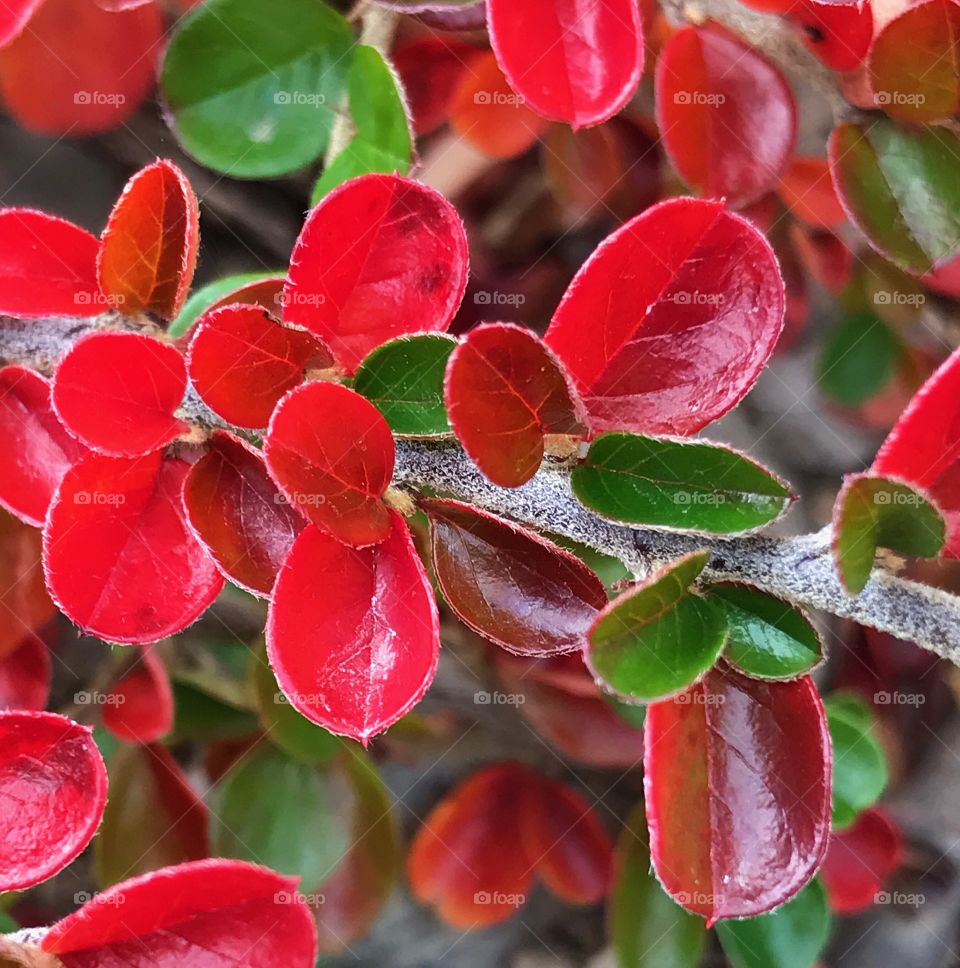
25, 675
859, 860
139, 706
860, 775
807, 190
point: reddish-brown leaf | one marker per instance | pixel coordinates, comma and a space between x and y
859, 860
117, 392
737, 779
25, 675
119, 557
505, 391
242, 361
669, 323
53, 787
353, 635
24, 602
825, 256
331, 453
380, 256
807, 190
511, 586
139, 706
239, 515
149, 248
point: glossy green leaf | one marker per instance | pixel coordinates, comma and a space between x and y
872, 512
212, 293
677, 484
383, 141
900, 185
403, 379
859, 765
253, 88
791, 936
658, 637
199, 716
858, 359
286, 815
648, 929
769, 638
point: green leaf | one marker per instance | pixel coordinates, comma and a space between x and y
876, 511
769, 638
383, 141
647, 928
677, 484
901, 187
286, 815
404, 380
859, 766
202, 717
253, 88
212, 293
284, 726
658, 637
859, 358
7, 924
792, 936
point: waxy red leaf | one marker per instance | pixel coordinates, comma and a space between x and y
214, 913
331, 453
80, 69
824, 256
737, 779
571, 60
47, 266
505, 391
149, 248
40, 449
53, 787
838, 32
807, 190
14, 16
117, 392
119, 557
25, 675
923, 448
139, 706
242, 361
239, 515
353, 635
859, 859
670, 321
726, 114
511, 586
380, 256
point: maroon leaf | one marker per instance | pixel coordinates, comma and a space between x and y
239, 515
139, 706
505, 391
53, 787
737, 780
353, 635
25, 675
669, 323
379, 257
119, 558
24, 602
510, 585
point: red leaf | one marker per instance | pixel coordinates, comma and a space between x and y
807, 190
353, 636
53, 787
566, 843
117, 392
43, 449
238, 514
726, 114
119, 558
379, 257
505, 391
838, 33
686, 269
24, 602
575, 61
48, 266
508, 584
79, 69
14, 16
139, 706
737, 780
923, 448
214, 913
242, 361
825, 256
25, 675
149, 247
468, 859
859, 860
331, 453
